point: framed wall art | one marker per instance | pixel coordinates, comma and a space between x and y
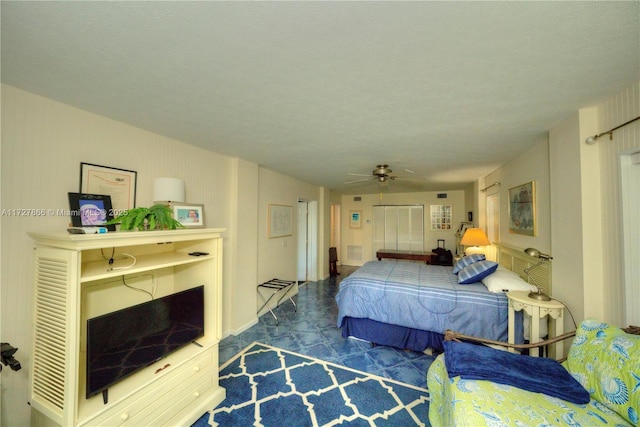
355, 219
119, 184
280, 217
522, 209
441, 217
190, 215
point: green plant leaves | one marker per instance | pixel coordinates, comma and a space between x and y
158, 216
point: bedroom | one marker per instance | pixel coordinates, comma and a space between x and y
44, 141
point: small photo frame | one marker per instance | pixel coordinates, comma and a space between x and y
463, 228
355, 219
191, 215
91, 210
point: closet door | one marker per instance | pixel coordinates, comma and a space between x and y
378, 229
391, 227
398, 227
417, 228
404, 228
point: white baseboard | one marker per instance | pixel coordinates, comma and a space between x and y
240, 330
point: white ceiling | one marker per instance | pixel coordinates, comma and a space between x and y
316, 90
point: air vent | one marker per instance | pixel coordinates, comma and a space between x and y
442, 195
354, 253
357, 199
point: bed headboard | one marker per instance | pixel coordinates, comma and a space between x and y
514, 259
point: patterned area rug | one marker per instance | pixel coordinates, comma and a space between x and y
270, 387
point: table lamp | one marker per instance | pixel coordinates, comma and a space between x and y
539, 295
474, 237
168, 190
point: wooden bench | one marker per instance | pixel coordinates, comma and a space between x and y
406, 255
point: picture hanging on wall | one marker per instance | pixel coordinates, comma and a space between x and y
355, 219
280, 220
522, 209
441, 217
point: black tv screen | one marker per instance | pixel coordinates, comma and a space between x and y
124, 341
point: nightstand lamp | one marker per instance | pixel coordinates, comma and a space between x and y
168, 190
474, 237
540, 296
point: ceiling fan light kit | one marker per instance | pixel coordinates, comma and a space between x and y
382, 170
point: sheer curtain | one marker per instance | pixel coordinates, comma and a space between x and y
493, 217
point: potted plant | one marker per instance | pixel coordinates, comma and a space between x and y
157, 217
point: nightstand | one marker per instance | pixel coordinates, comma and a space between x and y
520, 301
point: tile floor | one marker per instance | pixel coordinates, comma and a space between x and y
312, 331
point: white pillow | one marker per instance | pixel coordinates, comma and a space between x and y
505, 281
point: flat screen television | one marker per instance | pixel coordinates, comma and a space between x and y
123, 342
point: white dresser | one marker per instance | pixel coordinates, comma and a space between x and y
74, 281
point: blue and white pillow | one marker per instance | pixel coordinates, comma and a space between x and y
467, 260
476, 272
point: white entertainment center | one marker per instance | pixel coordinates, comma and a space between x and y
74, 281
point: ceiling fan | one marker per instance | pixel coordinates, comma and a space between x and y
382, 174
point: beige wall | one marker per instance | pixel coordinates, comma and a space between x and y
587, 185
43, 143
567, 231
532, 165
614, 111
364, 236
241, 254
278, 255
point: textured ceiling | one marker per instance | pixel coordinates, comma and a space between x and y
318, 90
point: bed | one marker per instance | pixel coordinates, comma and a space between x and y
410, 305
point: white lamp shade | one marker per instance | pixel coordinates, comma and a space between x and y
168, 190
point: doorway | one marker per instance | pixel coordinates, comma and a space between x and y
307, 240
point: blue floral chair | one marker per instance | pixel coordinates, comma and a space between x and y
598, 384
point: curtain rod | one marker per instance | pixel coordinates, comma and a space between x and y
593, 139
486, 188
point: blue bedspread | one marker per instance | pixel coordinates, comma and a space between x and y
425, 297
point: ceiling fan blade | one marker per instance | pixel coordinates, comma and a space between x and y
359, 180
408, 183
412, 178
359, 174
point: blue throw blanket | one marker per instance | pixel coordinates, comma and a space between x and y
536, 374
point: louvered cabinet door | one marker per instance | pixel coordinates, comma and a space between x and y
54, 373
